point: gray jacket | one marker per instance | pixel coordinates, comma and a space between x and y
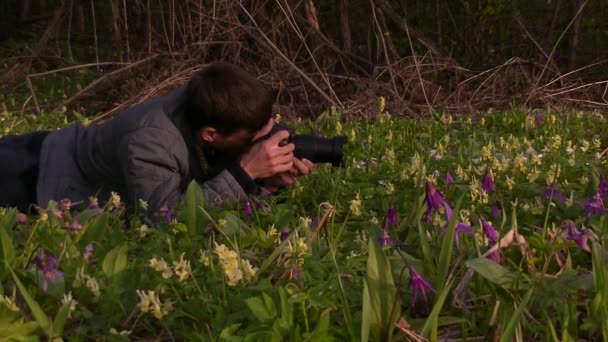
146, 152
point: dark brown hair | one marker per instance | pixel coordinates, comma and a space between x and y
227, 98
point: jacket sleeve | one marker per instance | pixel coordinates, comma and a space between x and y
155, 167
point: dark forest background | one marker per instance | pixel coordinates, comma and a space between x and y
421, 55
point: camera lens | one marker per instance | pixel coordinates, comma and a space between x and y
319, 150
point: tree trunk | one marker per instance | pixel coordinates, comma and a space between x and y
347, 41
574, 33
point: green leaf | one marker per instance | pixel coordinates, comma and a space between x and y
8, 249
379, 287
510, 328
195, 200
260, 310
447, 246
320, 331
234, 225
93, 231
60, 318
494, 272
35, 308
115, 261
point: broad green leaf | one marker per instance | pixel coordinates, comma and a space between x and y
320, 331
20, 331
35, 308
115, 261
93, 231
433, 319
383, 308
259, 309
60, 318
195, 200
234, 225
494, 272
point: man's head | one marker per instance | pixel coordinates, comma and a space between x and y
226, 106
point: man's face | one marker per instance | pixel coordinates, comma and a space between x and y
237, 141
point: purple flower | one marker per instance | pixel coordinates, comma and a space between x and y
88, 251
258, 203
166, 212
434, 201
495, 210
461, 228
603, 187
65, 204
448, 179
93, 204
595, 206
554, 194
538, 119
385, 240
284, 234
248, 210
74, 227
418, 285
390, 218
21, 218
492, 236
486, 182
489, 232
294, 273
48, 265
571, 233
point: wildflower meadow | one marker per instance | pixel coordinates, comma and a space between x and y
462, 227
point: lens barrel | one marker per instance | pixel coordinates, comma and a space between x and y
319, 150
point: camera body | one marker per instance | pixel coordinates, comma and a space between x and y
316, 149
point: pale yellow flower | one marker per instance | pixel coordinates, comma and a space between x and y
519, 163
533, 175
353, 135
277, 118
585, 145
161, 266
369, 139
381, 104
338, 127
205, 258
68, 300
355, 205
373, 220
556, 142
510, 183
570, 200
583, 180
93, 286
221, 223
389, 136
486, 151
305, 222
597, 143
115, 332
390, 156
553, 173
143, 205
249, 270
143, 230
114, 199
9, 303
389, 188
182, 268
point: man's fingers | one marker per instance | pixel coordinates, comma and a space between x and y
278, 136
309, 164
300, 167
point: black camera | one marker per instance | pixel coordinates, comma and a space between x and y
316, 149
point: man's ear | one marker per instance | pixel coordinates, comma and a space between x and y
207, 134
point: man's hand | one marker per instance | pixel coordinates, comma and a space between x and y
301, 167
267, 158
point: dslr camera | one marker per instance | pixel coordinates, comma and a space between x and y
316, 149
